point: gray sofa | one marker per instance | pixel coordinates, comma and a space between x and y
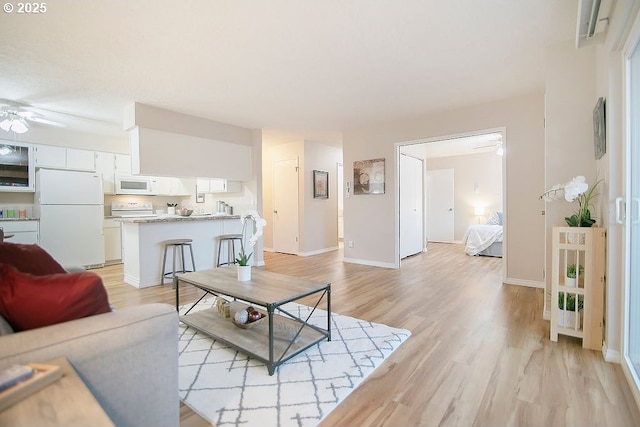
128, 358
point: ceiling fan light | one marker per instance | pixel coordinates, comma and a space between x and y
18, 126
5, 125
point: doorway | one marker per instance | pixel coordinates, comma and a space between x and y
285, 206
477, 186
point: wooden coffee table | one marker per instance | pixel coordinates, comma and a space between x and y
282, 335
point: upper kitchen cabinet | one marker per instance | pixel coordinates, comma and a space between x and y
49, 156
106, 165
16, 167
166, 186
110, 165
123, 164
215, 185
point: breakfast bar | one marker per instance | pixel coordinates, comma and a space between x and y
143, 249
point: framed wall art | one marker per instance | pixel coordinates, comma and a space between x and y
320, 184
368, 177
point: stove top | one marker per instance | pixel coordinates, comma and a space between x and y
131, 209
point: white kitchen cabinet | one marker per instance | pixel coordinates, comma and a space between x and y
203, 185
112, 241
217, 185
23, 231
123, 164
81, 160
49, 156
105, 164
185, 186
168, 186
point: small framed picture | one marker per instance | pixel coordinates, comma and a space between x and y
320, 184
199, 197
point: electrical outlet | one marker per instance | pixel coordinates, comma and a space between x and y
350, 243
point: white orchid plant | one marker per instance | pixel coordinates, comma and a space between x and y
259, 223
576, 189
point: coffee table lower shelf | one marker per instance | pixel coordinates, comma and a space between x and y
256, 341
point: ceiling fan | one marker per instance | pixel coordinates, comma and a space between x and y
16, 117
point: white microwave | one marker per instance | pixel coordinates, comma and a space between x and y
134, 185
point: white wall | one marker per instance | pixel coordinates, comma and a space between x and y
319, 219
477, 181
523, 118
570, 98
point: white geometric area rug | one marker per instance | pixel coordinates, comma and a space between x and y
229, 389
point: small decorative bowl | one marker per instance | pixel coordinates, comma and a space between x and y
249, 325
185, 212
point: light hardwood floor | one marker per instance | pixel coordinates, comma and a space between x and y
479, 354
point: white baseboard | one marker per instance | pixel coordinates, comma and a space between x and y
371, 263
522, 282
268, 249
609, 355
319, 251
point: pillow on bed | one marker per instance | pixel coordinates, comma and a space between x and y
495, 219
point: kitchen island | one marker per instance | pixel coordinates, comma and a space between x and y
143, 249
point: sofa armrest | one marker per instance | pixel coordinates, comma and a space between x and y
127, 358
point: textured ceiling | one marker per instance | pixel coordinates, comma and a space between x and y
298, 69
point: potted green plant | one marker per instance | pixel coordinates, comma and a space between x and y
572, 272
567, 311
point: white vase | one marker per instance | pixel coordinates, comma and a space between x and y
567, 319
171, 210
570, 282
244, 273
575, 238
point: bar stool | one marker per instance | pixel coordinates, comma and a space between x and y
230, 239
175, 245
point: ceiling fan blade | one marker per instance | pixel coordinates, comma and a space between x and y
46, 122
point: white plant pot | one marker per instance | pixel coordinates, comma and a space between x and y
575, 238
171, 210
244, 273
567, 319
570, 282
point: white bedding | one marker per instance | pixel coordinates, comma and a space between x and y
480, 237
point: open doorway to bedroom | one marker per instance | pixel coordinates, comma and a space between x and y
462, 194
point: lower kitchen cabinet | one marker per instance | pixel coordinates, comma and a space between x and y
112, 241
24, 231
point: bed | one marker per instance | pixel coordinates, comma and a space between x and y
485, 239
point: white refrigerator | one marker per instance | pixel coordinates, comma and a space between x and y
70, 206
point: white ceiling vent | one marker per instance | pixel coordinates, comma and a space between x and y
593, 19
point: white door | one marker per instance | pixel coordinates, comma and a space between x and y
631, 341
411, 211
285, 206
440, 213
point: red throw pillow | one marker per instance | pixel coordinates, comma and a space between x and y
28, 301
30, 259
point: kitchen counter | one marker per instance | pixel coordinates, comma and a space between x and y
174, 218
143, 248
19, 219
